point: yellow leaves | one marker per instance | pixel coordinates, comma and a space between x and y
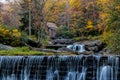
5, 32
11, 37
104, 1
89, 25
1, 29
89, 22
117, 7
15, 31
75, 4
103, 16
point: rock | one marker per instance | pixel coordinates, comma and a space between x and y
64, 49
91, 46
33, 43
75, 52
86, 53
94, 48
105, 51
63, 41
5, 47
94, 45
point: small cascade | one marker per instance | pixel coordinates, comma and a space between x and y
59, 68
77, 47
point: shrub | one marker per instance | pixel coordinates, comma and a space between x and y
11, 37
64, 32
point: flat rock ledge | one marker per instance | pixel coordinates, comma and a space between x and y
5, 47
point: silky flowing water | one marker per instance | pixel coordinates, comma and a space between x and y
59, 68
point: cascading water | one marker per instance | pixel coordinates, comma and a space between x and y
77, 47
59, 68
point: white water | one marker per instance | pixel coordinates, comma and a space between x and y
106, 73
59, 68
77, 47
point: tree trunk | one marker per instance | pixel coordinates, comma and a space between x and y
67, 14
29, 22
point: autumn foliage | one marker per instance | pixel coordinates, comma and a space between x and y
11, 37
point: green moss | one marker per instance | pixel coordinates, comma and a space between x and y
78, 38
21, 51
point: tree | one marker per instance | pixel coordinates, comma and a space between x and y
113, 28
26, 15
0, 12
9, 14
32, 16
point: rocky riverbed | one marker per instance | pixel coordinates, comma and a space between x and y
91, 46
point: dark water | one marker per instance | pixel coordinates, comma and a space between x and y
59, 68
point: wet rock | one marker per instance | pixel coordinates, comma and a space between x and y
64, 49
5, 47
94, 45
86, 53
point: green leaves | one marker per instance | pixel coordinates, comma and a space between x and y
114, 27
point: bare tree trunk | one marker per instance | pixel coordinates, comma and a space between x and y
94, 19
29, 22
38, 35
67, 13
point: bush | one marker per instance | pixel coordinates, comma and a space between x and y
64, 32
10, 37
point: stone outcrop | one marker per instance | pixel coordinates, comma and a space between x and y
93, 45
63, 41
5, 47
32, 43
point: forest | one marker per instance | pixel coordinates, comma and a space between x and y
26, 23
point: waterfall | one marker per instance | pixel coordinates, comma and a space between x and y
77, 47
106, 73
59, 68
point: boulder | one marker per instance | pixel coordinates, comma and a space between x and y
94, 45
105, 51
33, 43
5, 47
85, 53
75, 52
63, 41
94, 48
64, 49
